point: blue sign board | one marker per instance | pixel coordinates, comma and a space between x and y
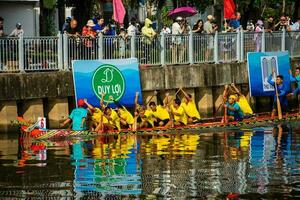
118, 79
260, 67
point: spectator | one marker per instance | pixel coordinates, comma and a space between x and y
122, 42
236, 23
166, 30
208, 28
99, 24
149, 35
198, 27
72, 30
132, 29
1, 27
226, 27
258, 36
282, 24
89, 39
108, 42
250, 26
17, 31
177, 30
66, 24
270, 25
296, 25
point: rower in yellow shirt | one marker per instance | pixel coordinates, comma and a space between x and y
190, 108
242, 101
113, 119
126, 118
180, 117
145, 118
96, 116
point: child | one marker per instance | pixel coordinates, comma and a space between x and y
122, 42
234, 112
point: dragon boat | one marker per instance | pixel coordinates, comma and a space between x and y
206, 126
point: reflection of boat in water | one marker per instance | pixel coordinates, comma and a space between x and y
254, 122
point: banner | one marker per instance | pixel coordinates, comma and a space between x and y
260, 67
118, 78
229, 9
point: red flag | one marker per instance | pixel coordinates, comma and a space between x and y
229, 9
119, 11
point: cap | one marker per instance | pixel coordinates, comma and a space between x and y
178, 18
233, 97
90, 23
210, 17
80, 103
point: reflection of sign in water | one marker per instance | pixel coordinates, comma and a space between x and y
268, 63
109, 80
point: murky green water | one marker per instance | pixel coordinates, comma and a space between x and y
261, 164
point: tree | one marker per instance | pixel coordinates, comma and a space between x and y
47, 17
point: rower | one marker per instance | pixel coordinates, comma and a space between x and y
77, 117
97, 116
190, 108
242, 101
234, 112
126, 118
160, 113
113, 119
296, 79
145, 118
282, 92
180, 117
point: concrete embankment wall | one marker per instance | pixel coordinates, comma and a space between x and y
51, 94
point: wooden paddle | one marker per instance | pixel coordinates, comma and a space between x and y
279, 111
134, 127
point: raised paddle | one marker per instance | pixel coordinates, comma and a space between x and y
134, 127
279, 111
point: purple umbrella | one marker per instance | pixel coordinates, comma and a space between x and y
182, 12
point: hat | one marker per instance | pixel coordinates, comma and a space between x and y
90, 23
18, 24
259, 22
234, 97
178, 18
80, 103
210, 17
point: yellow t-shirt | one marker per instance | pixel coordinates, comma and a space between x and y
244, 105
96, 117
126, 115
191, 109
161, 113
115, 119
182, 117
149, 117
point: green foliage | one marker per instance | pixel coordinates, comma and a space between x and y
49, 4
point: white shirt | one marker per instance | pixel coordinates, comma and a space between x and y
295, 27
16, 32
176, 29
166, 30
131, 30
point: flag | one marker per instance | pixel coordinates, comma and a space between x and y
119, 11
229, 9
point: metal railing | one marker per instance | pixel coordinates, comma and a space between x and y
26, 54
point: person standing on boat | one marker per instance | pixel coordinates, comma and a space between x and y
190, 108
77, 117
234, 111
282, 92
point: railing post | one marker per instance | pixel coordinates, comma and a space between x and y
162, 49
191, 48
238, 45
242, 45
60, 51
21, 53
66, 51
283, 39
263, 41
100, 46
216, 49
132, 46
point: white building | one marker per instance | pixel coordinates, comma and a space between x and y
26, 12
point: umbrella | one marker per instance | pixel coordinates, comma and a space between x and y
184, 12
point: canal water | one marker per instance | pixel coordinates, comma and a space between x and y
250, 164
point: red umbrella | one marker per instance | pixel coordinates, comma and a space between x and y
182, 12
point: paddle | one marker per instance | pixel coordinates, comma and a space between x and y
134, 127
279, 111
